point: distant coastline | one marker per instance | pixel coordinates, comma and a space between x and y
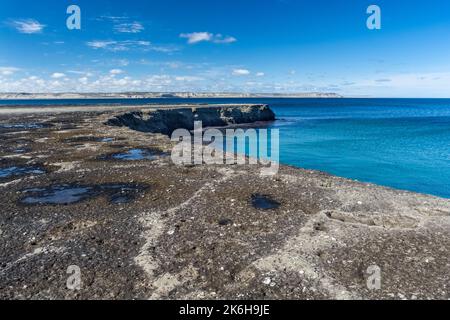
149, 95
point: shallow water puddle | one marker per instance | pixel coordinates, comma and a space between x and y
23, 126
56, 195
88, 139
134, 155
70, 194
225, 222
263, 202
21, 150
19, 171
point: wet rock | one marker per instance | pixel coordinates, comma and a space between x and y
121, 193
88, 139
9, 172
24, 126
134, 155
70, 194
225, 222
56, 195
21, 150
264, 202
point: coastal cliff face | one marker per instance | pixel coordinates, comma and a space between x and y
166, 121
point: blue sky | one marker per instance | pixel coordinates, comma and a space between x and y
227, 46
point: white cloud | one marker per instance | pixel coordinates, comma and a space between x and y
113, 18
401, 85
241, 72
126, 45
83, 80
415, 85
164, 49
260, 74
27, 26
383, 80
80, 73
118, 45
103, 83
196, 37
218, 38
188, 78
7, 71
132, 27
116, 71
58, 75
123, 62
101, 44
173, 64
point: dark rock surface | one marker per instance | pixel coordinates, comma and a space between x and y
166, 121
193, 232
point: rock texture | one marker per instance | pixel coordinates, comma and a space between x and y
194, 233
166, 121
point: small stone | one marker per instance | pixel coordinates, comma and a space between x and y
267, 281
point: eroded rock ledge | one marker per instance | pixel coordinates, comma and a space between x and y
166, 121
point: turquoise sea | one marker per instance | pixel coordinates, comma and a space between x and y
400, 143
403, 144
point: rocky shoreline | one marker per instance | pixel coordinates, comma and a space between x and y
108, 200
167, 120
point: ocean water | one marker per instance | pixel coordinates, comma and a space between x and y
404, 144
399, 143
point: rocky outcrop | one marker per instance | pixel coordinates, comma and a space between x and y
166, 121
